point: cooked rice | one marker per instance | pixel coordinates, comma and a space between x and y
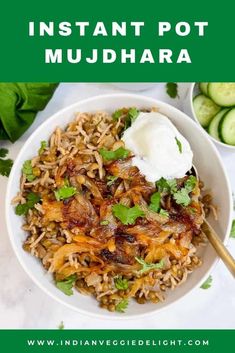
67, 236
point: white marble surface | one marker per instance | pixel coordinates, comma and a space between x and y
24, 305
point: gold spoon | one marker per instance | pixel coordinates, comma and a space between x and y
215, 241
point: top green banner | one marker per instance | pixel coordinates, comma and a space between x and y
121, 41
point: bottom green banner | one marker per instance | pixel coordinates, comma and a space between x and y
107, 341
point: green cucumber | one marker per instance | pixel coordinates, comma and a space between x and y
213, 128
204, 87
222, 93
205, 109
227, 127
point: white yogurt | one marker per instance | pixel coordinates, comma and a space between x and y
153, 140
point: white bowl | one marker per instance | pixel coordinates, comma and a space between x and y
188, 109
211, 171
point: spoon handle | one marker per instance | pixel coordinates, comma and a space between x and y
219, 247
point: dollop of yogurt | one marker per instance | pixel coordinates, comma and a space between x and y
159, 148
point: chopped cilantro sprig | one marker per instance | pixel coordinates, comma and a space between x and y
148, 266
127, 215
120, 153
31, 199
67, 284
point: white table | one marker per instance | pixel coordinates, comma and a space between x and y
24, 305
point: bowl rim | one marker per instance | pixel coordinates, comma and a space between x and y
219, 143
10, 232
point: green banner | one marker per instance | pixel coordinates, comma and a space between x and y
128, 341
106, 41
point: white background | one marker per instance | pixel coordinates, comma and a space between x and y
23, 305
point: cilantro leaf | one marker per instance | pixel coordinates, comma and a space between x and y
131, 117
3, 152
181, 197
164, 213
28, 170
127, 215
65, 192
155, 201
190, 183
179, 144
42, 147
111, 179
172, 89
207, 284
148, 266
23, 208
122, 305
104, 222
5, 166
120, 153
164, 185
67, 284
121, 283
117, 114
232, 233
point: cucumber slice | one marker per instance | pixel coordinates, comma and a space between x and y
205, 109
204, 87
222, 93
213, 128
227, 127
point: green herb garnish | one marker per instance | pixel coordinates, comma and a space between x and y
148, 266
190, 183
65, 192
164, 185
28, 170
172, 89
66, 285
117, 114
207, 284
179, 144
121, 283
120, 153
155, 202
104, 222
122, 305
43, 147
5, 164
181, 197
111, 179
164, 213
23, 208
127, 215
232, 233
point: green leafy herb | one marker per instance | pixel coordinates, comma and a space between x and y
164, 185
131, 117
3, 152
66, 285
172, 89
104, 222
5, 164
23, 208
181, 197
43, 147
111, 179
28, 170
179, 144
61, 326
232, 233
121, 283
117, 114
127, 215
148, 266
65, 192
155, 201
190, 183
164, 213
207, 284
120, 153
122, 305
